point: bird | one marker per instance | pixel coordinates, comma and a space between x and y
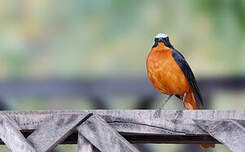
170, 74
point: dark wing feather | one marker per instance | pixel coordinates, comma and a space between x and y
180, 60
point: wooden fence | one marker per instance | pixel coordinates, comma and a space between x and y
100, 90
115, 130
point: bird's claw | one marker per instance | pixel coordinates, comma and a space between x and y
157, 113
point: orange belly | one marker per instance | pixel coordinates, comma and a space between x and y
165, 74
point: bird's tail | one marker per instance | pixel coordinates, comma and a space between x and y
190, 104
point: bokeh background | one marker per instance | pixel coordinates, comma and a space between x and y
107, 39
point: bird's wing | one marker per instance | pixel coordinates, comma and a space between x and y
180, 60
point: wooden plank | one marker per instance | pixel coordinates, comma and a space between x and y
229, 132
140, 126
103, 137
83, 144
47, 136
177, 122
12, 137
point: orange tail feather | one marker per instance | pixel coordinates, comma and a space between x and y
190, 104
205, 146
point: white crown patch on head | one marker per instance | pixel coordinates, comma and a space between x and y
161, 35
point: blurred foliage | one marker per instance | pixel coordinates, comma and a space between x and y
74, 38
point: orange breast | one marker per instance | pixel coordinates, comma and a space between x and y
164, 73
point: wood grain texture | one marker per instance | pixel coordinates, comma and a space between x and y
139, 126
48, 135
83, 144
229, 132
103, 137
12, 137
178, 122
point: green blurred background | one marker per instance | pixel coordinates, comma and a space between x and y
42, 39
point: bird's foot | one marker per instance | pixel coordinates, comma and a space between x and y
157, 113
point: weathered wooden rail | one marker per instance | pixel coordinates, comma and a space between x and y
114, 130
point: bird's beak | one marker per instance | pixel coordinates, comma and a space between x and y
160, 40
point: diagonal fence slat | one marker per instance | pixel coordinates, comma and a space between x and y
50, 134
83, 144
229, 132
12, 137
103, 136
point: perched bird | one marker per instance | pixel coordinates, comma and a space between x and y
170, 74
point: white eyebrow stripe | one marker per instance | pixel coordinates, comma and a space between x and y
161, 35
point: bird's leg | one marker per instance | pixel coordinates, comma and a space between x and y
158, 111
184, 100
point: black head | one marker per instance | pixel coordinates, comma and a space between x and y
161, 37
